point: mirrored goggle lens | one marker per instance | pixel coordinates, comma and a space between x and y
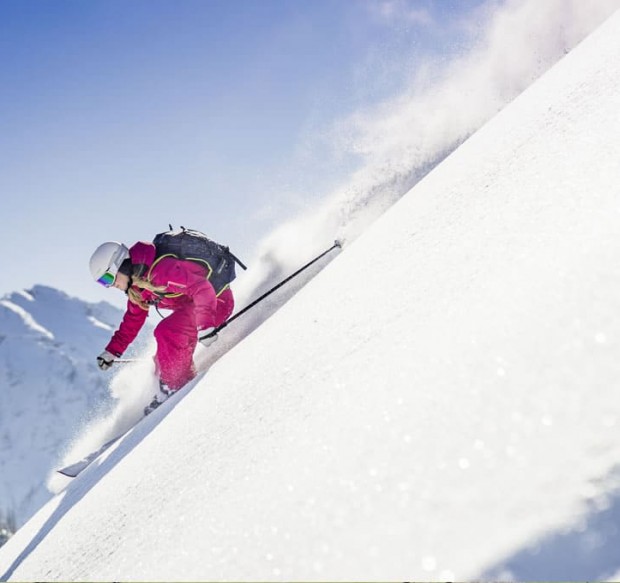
107, 279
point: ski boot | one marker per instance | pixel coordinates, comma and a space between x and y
162, 395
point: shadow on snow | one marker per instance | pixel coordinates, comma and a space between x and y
587, 550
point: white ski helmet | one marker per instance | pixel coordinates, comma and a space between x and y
106, 260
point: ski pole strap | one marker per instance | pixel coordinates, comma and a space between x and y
337, 245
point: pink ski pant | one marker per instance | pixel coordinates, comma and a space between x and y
177, 336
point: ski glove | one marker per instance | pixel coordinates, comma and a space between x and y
205, 338
105, 360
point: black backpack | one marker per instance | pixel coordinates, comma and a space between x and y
191, 245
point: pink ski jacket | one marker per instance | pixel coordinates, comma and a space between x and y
184, 283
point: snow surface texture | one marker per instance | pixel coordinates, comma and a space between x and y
49, 385
438, 403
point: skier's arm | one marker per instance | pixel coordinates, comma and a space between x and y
133, 320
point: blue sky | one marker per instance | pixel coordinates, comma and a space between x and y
119, 117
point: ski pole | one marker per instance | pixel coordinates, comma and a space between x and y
337, 245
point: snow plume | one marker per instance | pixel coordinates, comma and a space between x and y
132, 388
400, 140
397, 142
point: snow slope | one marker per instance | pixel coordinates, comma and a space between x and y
439, 403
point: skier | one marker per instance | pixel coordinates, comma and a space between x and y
168, 283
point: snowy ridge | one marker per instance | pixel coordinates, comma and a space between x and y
451, 418
27, 320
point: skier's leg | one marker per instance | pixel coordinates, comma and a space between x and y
176, 339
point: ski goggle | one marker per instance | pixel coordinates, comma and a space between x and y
107, 279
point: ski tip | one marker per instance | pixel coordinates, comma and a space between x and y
339, 243
65, 473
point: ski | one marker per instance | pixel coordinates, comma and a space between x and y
75, 469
